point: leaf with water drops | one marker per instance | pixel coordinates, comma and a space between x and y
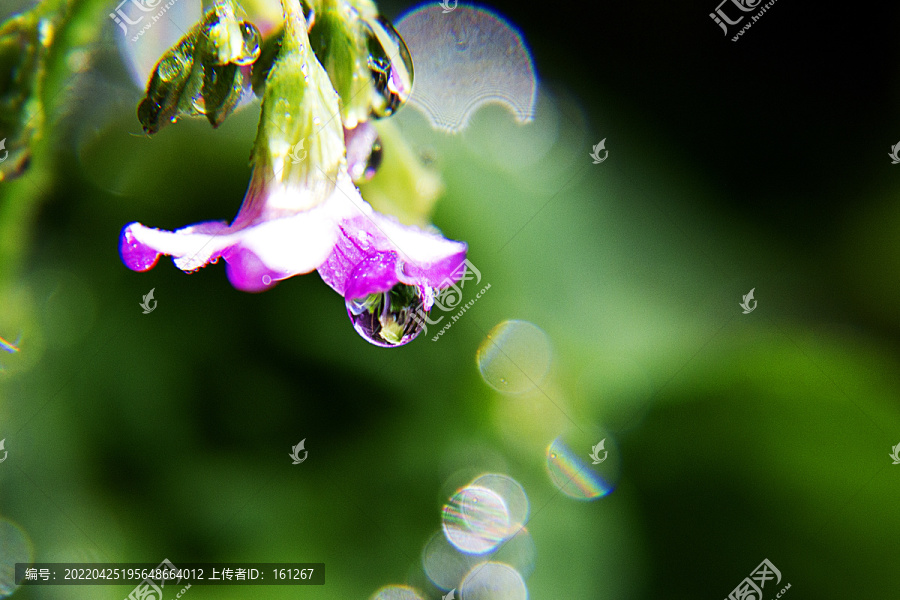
166, 86
336, 38
202, 74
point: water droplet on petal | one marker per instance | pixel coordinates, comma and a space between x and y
365, 169
388, 319
198, 103
373, 162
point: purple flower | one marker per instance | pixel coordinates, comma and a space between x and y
303, 212
357, 250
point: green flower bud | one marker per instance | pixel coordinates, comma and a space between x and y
201, 74
300, 141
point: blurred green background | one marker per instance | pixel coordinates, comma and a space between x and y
759, 164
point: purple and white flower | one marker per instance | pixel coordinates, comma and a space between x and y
302, 215
357, 250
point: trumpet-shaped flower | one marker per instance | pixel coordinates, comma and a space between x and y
303, 212
357, 250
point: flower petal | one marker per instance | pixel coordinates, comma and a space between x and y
259, 250
191, 247
374, 252
376, 272
247, 273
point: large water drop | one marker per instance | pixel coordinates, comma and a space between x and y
252, 44
390, 64
388, 319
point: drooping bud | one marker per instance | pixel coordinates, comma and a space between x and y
202, 74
